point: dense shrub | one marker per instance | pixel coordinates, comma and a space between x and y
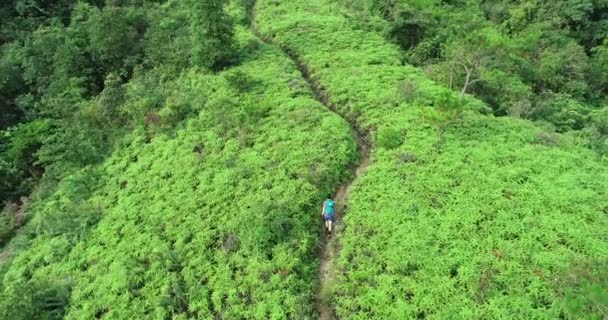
7, 226
389, 138
488, 213
70, 73
180, 185
514, 56
193, 221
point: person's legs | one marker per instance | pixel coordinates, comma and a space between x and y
329, 225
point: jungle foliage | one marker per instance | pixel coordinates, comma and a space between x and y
65, 68
159, 161
202, 211
538, 60
460, 215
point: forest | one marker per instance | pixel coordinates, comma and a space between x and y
545, 61
169, 159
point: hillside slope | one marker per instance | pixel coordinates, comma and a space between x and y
211, 220
460, 214
210, 157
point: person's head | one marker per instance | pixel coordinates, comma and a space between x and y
329, 196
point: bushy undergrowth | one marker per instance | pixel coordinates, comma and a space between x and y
209, 220
471, 216
65, 65
536, 60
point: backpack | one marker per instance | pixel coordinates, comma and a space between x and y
330, 207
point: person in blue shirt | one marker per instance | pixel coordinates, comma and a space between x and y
329, 212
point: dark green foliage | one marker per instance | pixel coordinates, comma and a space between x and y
240, 81
598, 70
7, 226
11, 85
13, 216
212, 34
513, 55
168, 37
69, 66
39, 299
248, 6
597, 134
111, 98
26, 15
389, 138
408, 25
19, 167
114, 36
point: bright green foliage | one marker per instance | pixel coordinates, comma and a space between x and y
213, 219
173, 192
58, 222
473, 216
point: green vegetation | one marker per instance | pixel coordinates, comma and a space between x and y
157, 160
65, 69
209, 219
201, 210
472, 216
538, 60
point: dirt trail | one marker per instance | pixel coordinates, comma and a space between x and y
330, 249
330, 246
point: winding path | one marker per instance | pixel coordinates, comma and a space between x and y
330, 247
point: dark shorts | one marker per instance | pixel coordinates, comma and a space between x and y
329, 217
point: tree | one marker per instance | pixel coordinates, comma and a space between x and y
597, 74
468, 61
112, 96
561, 68
11, 86
212, 34
114, 35
168, 40
18, 158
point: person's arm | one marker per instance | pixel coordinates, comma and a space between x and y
323, 211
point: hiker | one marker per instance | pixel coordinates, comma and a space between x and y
329, 211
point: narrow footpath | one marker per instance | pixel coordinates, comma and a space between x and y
330, 247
